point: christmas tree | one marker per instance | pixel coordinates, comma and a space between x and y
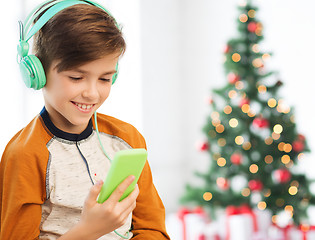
252, 138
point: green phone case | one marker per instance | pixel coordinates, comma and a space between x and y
126, 162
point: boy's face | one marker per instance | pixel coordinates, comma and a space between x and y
72, 96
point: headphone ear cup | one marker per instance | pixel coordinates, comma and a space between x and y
115, 75
33, 73
114, 78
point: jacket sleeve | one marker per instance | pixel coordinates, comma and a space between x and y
149, 215
22, 192
148, 218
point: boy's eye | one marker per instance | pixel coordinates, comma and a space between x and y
79, 78
75, 78
105, 79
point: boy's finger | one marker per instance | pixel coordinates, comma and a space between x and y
119, 191
129, 203
134, 194
94, 192
131, 198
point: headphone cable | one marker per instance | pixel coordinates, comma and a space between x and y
103, 150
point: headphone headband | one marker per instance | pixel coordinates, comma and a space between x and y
53, 8
31, 68
35, 12
52, 11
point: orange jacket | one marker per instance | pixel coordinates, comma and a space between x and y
45, 174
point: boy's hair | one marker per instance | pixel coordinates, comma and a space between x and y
77, 35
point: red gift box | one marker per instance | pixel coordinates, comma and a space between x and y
196, 225
244, 213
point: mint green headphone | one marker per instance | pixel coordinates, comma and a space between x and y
31, 68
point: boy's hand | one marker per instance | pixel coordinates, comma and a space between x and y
99, 219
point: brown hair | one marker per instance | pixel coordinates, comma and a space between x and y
77, 35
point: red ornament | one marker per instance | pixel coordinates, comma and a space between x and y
203, 146
233, 78
252, 26
255, 185
260, 122
301, 137
298, 146
236, 158
244, 101
209, 100
281, 175
226, 49
223, 183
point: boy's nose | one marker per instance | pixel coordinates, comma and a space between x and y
90, 90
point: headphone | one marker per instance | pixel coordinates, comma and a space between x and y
31, 68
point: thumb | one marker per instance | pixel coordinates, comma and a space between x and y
94, 191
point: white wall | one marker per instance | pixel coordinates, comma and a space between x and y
181, 58
182, 43
10, 90
125, 99
160, 38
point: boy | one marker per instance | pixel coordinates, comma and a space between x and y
49, 167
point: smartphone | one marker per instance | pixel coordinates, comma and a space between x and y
126, 162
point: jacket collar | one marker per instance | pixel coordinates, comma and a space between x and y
65, 135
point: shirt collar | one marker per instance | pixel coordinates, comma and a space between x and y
65, 135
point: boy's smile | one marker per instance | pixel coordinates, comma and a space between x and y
72, 96
83, 107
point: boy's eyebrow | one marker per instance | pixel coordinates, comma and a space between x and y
82, 71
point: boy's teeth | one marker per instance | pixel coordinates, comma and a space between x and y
83, 106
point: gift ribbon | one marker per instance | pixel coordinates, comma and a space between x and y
203, 237
305, 228
243, 209
284, 229
183, 212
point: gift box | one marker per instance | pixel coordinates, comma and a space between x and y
193, 223
189, 224
263, 218
291, 232
303, 232
241, 223
244, 223
277, 232
235, 223
210, 232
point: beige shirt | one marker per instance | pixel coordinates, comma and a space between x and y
69, 181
